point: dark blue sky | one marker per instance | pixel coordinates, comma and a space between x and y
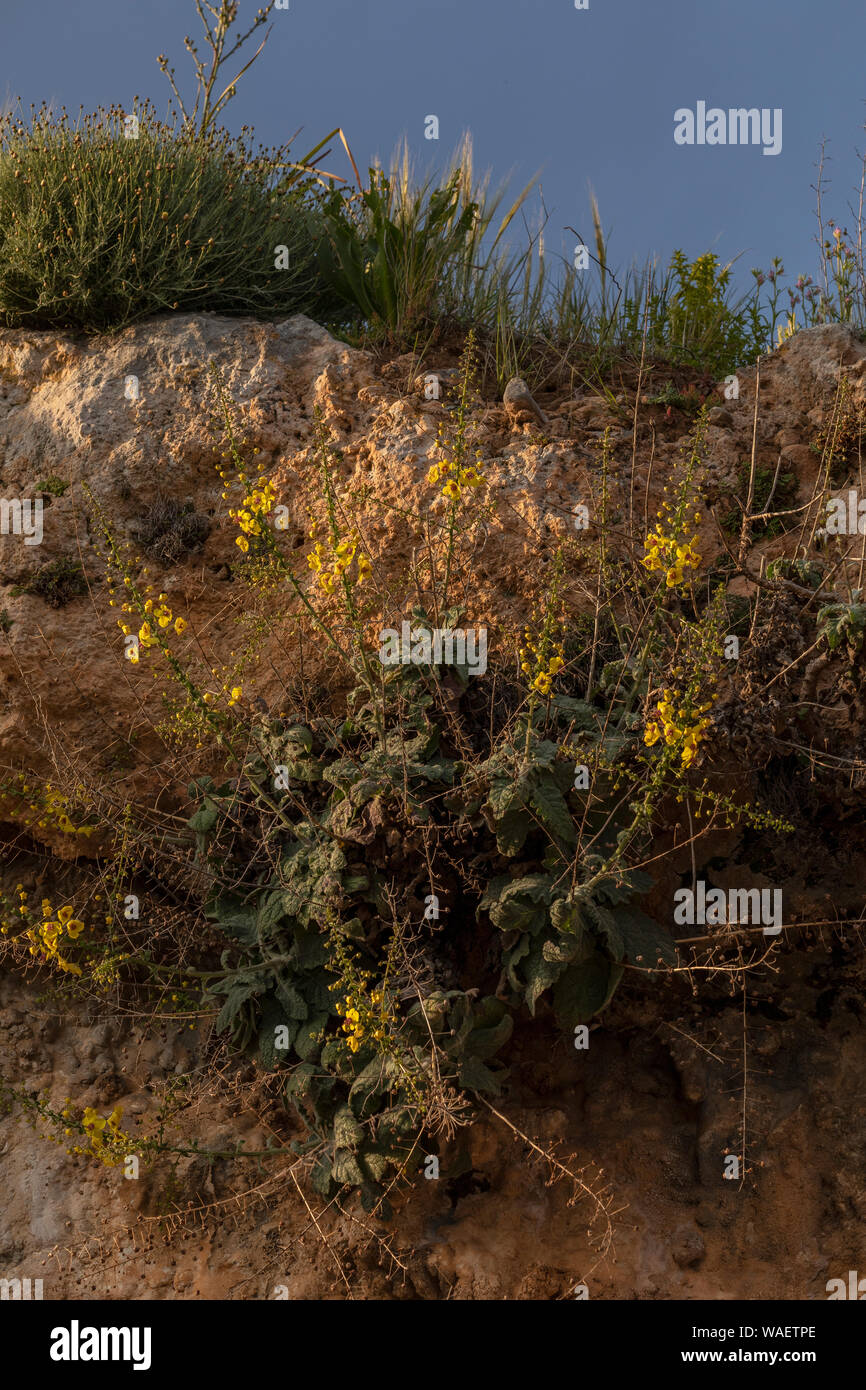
587, 97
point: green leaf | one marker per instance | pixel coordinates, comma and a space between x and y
348, 1134
300, 1083
235, 919
307, 1040
203, 822
518, 904
645, 942
585, 989
606, 924
486, 1042
372, 1083
584, 716
271, 912
551, 807
474, 1076
291, 1002
273, 1017
539, 973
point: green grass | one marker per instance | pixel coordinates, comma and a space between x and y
410, 259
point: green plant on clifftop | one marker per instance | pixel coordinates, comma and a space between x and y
98, 230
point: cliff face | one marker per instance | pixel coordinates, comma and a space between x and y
672, 1081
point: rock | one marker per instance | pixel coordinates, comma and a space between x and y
520, 405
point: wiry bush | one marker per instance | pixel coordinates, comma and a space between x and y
97, 230
170, 529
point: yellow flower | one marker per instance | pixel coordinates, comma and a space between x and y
179, 625
652, 735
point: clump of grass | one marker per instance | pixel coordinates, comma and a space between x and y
408, 258
98, 230
56, 582
169, 530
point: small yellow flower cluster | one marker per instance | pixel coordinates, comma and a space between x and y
454, 477
107, 1140
542, 667
254, 510
235, 693
155, 616
670, 552
364, 1014
359, 1017
45, 938
49, 805
682, 729
330, 561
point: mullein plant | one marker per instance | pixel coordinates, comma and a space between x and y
457, 473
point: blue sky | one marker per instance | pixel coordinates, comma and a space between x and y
585, 97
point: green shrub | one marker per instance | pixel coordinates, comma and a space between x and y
97, 230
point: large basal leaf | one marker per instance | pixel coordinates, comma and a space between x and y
485, 1042
474, 1076
290, 1000
272, 1018
645, 942
376, 1079
235, 919
539, 974
585, 989
307, 1040
518, 904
